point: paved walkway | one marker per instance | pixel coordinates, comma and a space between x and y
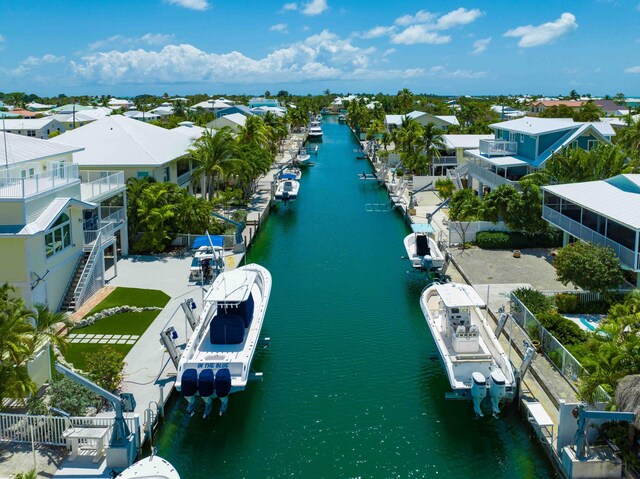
103, 338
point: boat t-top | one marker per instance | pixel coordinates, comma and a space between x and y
290, 173
303, 156
287, 190
422, 249
217, 359
315, 130
475, 363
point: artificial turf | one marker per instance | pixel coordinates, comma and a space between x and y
124, 323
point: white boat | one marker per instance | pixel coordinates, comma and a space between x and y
290, 173
342, 119
315, 130
475, 363
206, 262
152, 467
422, 248
303, 156
319, 118
217, 359
287, 190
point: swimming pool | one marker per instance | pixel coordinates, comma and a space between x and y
587, 322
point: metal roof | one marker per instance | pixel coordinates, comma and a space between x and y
22, 148
465, 141
606, 197
120, 141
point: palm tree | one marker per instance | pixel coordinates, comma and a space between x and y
405, 100
212, 152
254, 131
433, 141
629, 137
48, 325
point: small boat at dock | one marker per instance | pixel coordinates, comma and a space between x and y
290, 173
152, 467
303, 156
315, 131
287, 190
422, 248
342, 119
475, 363
217, 359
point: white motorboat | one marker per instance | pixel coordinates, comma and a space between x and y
152, 467
475, 363
342, 119
217, 359
287, 190
422, 248
207, 261
290, 173
319, 118
315, 130
303, 156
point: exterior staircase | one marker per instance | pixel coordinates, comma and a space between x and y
69, 302
456, 173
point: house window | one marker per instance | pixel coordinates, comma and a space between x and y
521, 138
512, 137
574, 144
592, 144
58, 237
166, 174
143, 174
31, 133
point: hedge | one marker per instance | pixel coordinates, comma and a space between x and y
512, 240
564, 330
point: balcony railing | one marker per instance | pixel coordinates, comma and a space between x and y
108, 225
184, 178
23, 187
498, 147
445, 160
491, 179
98, 183
627, 256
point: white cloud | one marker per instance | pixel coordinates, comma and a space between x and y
389, 51
119, 41
36, 61
422, 16
279, 27
480, 46
533, 36
318, 57
633, 69
1, 42
190, 4
441, 71
461, 16
314, 7
293, 6
419, 34
375, 32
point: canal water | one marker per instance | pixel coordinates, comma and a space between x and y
352, 384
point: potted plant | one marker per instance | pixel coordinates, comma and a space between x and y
534, 335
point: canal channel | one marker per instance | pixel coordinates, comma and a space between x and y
352, 384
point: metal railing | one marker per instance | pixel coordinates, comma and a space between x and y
92, 277
571, 226
445, 160
186, 240
23, 428
489, 177
498, 147
96, 183
23, 187
569, 367
108, 226
184, 178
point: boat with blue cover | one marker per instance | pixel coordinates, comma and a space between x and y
422, 248
287, 190
290, 173
475, 363
217, 359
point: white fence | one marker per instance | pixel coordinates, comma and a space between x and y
48, 429
466, 231
186, 240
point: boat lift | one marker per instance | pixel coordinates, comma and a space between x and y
440, 206
238, 247
122, 449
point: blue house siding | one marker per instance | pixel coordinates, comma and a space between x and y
527, 148
583, 141
549, 139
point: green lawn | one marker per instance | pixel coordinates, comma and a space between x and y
125, 323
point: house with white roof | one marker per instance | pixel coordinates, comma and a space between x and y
212, 106
274, 110
392, 122
35, 106
235, 121
190, 130
119, 104
33, 127
522, 146
263, 101
506, 112
163, 111
144, 116
140, 150
605, 212
453, 154
57, 221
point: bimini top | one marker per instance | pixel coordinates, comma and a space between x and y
455, 295
204, 241
288, 176
232, 286
422, 228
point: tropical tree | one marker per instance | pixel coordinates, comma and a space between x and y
495, 204
524, 212
629, 137
432, 141
589, 111
213, 152
254, 131
405, 100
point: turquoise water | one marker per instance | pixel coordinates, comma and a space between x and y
353, 387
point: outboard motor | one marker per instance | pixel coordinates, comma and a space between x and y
223, 388
206, 389
426, 263
478, 391
189, 388
497, 389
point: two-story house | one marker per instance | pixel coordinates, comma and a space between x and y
605, 212
140, 150
522, 146
392, 122
57, 222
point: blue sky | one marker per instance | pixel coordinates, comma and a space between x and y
127, 47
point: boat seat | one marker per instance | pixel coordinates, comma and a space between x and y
244, 310
227, 328
422, 245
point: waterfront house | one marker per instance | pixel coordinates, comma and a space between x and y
522, 146
119, 104
506, 112
242, 109
392, 122
212, 106
35, 106
453, 155
609, 107
118, 143
262, 101
57, 221
274, 110
541, 105
605, 212
163, 111
235, 121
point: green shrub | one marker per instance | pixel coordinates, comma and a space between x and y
445, 187
513, 240
595, 307
534, 300
565, 331
105, 367
567, 303
71, 397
